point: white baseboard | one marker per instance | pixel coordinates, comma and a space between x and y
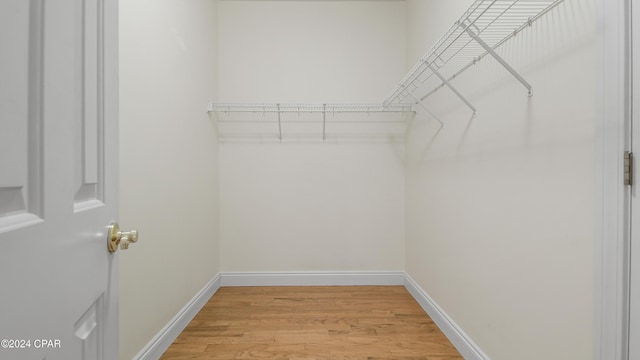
161, 342
311, 278
451, 330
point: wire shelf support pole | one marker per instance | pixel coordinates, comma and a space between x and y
418, 101
498, 58
324, 122
279, 122
451, 87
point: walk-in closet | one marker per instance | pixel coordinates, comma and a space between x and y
443, 147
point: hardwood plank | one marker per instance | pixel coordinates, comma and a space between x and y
305, 323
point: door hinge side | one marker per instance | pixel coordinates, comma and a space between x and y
628, 168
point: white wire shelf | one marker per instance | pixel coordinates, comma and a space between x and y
311, 122
306, 108
485, 26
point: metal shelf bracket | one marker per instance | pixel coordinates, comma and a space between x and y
498, 58
422, 105
324, 122
451, 87
279, 123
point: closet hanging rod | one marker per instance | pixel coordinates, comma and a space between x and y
308, 108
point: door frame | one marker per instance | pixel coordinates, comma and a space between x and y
612, 201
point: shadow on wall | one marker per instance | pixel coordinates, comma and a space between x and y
496, 93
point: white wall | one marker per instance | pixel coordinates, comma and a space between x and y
169, 176
310, 51
500, 208
310, 206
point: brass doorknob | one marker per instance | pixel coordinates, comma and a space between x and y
116, 237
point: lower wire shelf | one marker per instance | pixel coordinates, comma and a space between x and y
258, 122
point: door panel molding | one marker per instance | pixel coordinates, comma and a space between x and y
89, 330
90, 128
22, 108
36, 105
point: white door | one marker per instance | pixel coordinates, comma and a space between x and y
58, 190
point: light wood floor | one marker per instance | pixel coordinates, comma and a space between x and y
342, 322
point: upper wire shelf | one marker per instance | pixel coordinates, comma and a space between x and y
485, 26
